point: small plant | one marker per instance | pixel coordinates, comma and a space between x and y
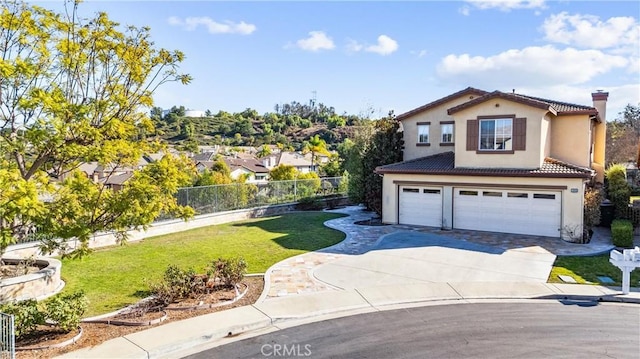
592, 199
228, 271
66, 310
622, 233
26, 315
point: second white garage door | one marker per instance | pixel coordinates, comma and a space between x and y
420, 206
509, 211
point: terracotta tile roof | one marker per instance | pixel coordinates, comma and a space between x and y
556, 107
467, 91
443, 164
564, 107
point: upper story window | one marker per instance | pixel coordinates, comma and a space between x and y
423, 132
446, 133
496, 134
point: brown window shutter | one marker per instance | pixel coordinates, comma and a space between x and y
472, 135
520, 134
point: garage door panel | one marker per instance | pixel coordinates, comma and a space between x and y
420, 206
508, 211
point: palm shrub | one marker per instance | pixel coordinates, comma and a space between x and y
618, 190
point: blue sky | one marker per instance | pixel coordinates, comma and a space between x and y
381, 56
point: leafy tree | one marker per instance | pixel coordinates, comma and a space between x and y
333, 168
623, 137
353, 153
386, 148
76, 90
283, 173
375, 146
631, 116
264, 151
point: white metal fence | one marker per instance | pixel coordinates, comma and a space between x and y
220, 198
7, 337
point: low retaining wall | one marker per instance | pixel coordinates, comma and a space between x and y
160, 228
42, 284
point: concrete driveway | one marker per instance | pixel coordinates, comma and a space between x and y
414, 257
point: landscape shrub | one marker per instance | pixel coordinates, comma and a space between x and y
26, 315
310, 204
618, 190
592, 199
66, 310
177, 284
228, 271
622, 233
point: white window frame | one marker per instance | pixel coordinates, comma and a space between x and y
500, 137
423, 131
446, 130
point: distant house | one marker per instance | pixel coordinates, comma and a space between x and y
301, 162
253, 169
494, 161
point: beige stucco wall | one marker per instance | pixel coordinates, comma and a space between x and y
571, 140
530, 158
434, 115
572, 203
545, 135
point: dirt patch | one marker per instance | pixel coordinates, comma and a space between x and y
94, 333
17, 270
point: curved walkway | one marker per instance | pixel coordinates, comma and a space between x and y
298, 275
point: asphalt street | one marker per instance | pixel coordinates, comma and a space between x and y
549, 329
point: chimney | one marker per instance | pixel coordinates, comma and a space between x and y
600, 134
600, 103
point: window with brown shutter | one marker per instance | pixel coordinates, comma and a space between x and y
472, 135
520, 134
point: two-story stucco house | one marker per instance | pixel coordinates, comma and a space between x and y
495, 161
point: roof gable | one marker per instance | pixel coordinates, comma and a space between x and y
430, 105
555, 107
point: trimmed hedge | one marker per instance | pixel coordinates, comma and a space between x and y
622, 233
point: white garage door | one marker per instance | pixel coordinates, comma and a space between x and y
420, 206
509, 211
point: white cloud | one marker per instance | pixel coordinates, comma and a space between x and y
214, 27
385, 46
316, 41
354, 46
535, 66
465, 10
506, 5
420, 53
588, 31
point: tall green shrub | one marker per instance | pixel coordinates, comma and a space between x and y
618, 190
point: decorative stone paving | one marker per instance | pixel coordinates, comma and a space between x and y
295, 275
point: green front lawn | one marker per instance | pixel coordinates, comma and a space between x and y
587, 270
117, 276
